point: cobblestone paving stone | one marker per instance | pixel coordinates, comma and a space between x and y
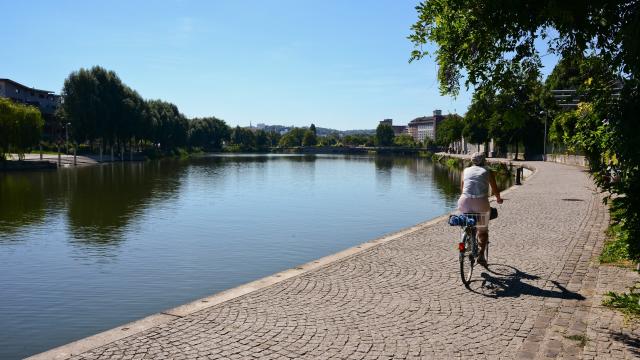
404, 300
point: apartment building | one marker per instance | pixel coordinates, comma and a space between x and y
45, 100
425, 127
397, 129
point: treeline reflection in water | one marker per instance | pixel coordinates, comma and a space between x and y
98, 201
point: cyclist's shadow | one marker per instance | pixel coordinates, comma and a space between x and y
500, 280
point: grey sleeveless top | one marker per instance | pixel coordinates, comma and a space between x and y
476, 182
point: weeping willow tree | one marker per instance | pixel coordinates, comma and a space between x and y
20, 128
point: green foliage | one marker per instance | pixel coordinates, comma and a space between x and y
100, 107
358, 140
263, 142
449, 130
616, 249
384, 135
404, 140
243, 138
481, 38
499, 168
428, 142
329, 140
208, 133
170, 127
487, 40
20, 128
627, 303
453, 162
313, 129
292, 138
274, 138
309, 138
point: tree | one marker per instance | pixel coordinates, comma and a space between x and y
208, 133
263, 142
329, 140
309, 138
449, 130
484, 40
313, 129
245, 139
170, 127
274, 138
384, 135
81, 104
292, 138
404, 140
20, 128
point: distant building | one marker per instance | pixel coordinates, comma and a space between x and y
45, 100
425, 126
397, 129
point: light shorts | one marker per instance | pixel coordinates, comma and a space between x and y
476, 205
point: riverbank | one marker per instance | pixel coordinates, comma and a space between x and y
401, 296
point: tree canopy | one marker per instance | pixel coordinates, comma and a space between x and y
481, 42
208, 133
449, 130
384, 135
20, 127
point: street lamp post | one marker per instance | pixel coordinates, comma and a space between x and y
544, 143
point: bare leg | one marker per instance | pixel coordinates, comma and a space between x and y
483, 239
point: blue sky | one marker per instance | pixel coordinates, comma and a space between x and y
338, 64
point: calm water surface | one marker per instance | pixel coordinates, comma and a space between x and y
84, 250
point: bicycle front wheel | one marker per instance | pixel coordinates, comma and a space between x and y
467, 261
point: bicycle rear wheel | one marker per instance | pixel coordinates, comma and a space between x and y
467, 261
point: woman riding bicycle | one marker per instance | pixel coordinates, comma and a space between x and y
475, 183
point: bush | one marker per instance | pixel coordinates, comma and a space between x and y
453, 162
616, 249
627, 303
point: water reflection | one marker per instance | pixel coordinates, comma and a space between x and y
101, 201
22, 201
105, 199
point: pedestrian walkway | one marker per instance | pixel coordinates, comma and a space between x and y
401, 297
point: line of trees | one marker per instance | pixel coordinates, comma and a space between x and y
104, 112
107, 114
600, 59
20, 128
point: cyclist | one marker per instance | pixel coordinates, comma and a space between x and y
475, 183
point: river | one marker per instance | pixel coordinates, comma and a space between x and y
86, 249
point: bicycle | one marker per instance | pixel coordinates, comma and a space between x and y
468, 245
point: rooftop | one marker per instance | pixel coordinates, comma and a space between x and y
26, 87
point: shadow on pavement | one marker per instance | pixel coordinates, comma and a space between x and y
500, 280
632, 343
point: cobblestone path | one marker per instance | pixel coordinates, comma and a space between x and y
404, 299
